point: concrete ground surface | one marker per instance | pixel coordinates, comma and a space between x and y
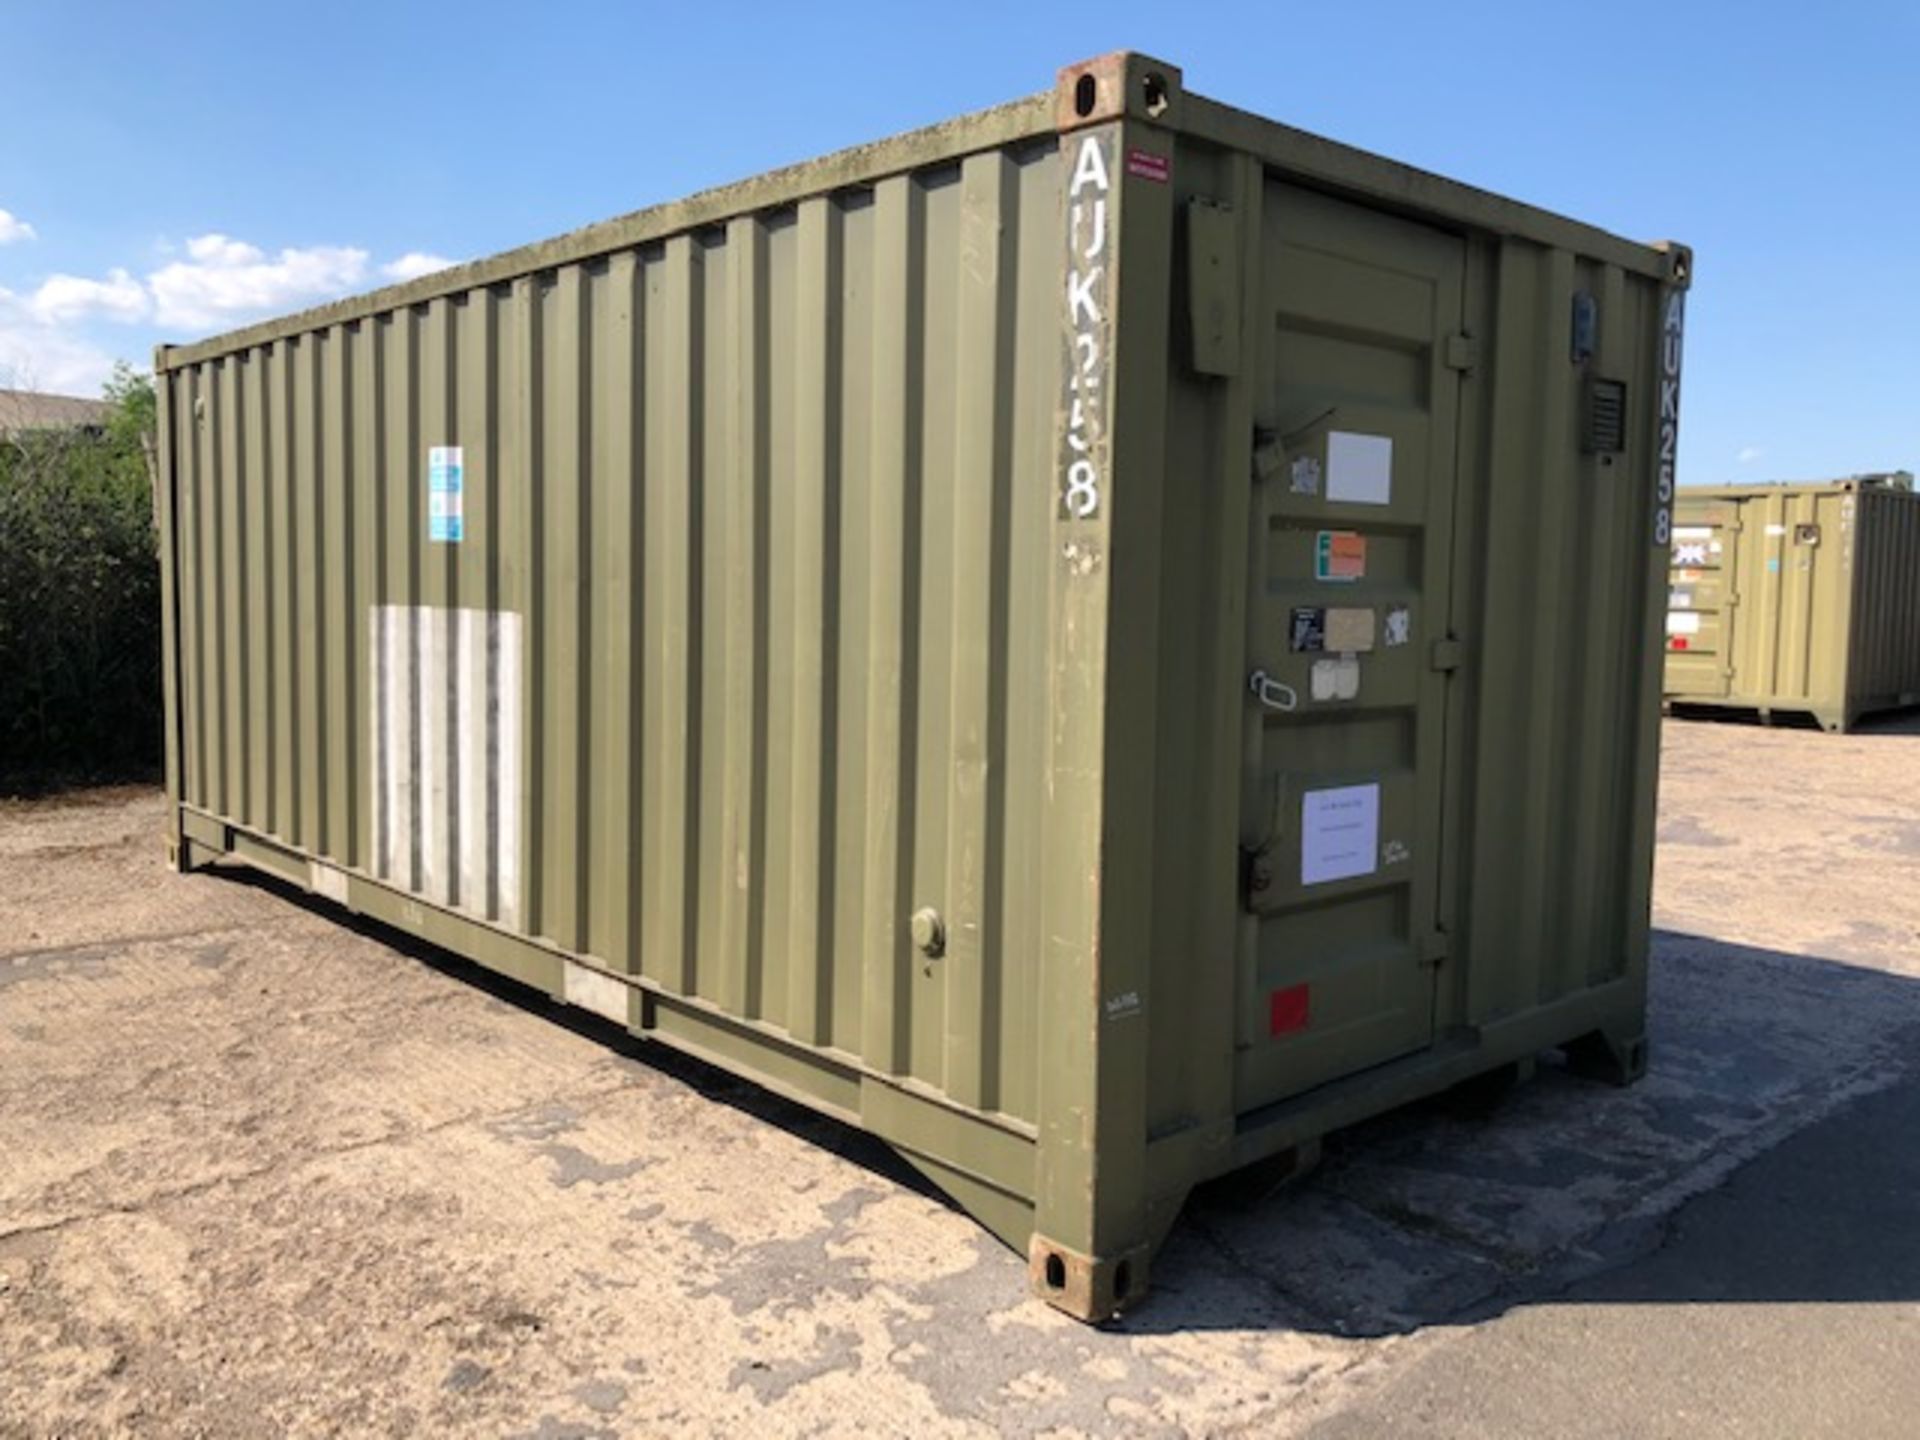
264, 1173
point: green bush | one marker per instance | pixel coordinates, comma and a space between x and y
80, 599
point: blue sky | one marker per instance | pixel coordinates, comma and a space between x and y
170, 171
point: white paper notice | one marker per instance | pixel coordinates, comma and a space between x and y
1683, 622
1339, 833
1359, 468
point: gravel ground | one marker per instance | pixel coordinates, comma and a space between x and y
262, 1173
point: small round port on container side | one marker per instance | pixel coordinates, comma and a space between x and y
929, 932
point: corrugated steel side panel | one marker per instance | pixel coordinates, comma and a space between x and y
1559, 760
1884, 664
708, 692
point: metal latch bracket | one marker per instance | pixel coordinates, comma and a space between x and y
1462, 352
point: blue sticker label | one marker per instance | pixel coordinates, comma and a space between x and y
446, 480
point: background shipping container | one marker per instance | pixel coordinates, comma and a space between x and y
1098, 641
1798, 598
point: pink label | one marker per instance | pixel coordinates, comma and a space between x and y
1147, 165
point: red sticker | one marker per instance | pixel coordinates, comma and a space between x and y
1147, 165
1678, 642
1287, 1010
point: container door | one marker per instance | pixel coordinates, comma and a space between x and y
1700, 599
1351, 557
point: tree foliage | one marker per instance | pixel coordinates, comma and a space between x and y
80, 597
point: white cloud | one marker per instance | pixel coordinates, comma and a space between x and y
414, 264
212, 281
1749, 454
37, 356
223, 281
217, 249
226, 280
71, 297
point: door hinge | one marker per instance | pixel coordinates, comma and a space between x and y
1433, 947
1462, 352
1445, 654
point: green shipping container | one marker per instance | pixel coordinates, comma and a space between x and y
1098, 642
1797, 598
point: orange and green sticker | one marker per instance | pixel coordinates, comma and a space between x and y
1340, 555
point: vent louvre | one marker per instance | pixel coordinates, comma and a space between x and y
1604, 428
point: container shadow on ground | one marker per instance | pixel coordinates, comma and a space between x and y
1464, 1206
1458, 1208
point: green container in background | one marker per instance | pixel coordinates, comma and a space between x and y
1798, 598
1099, 641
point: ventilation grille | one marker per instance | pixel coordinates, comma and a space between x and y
1605, 429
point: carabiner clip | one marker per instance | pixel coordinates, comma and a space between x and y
1271, 693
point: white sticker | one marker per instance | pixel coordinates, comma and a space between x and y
1339, 833
1693, 532
1359, 468
1679, 599
1399, 626
1683, 622
1689, 554
1337, 678
1305, 475
1776, 529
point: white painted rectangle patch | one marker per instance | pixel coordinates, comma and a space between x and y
1339, 833
1683, 622
327, 881
1359, 468
602, 994
445, 781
